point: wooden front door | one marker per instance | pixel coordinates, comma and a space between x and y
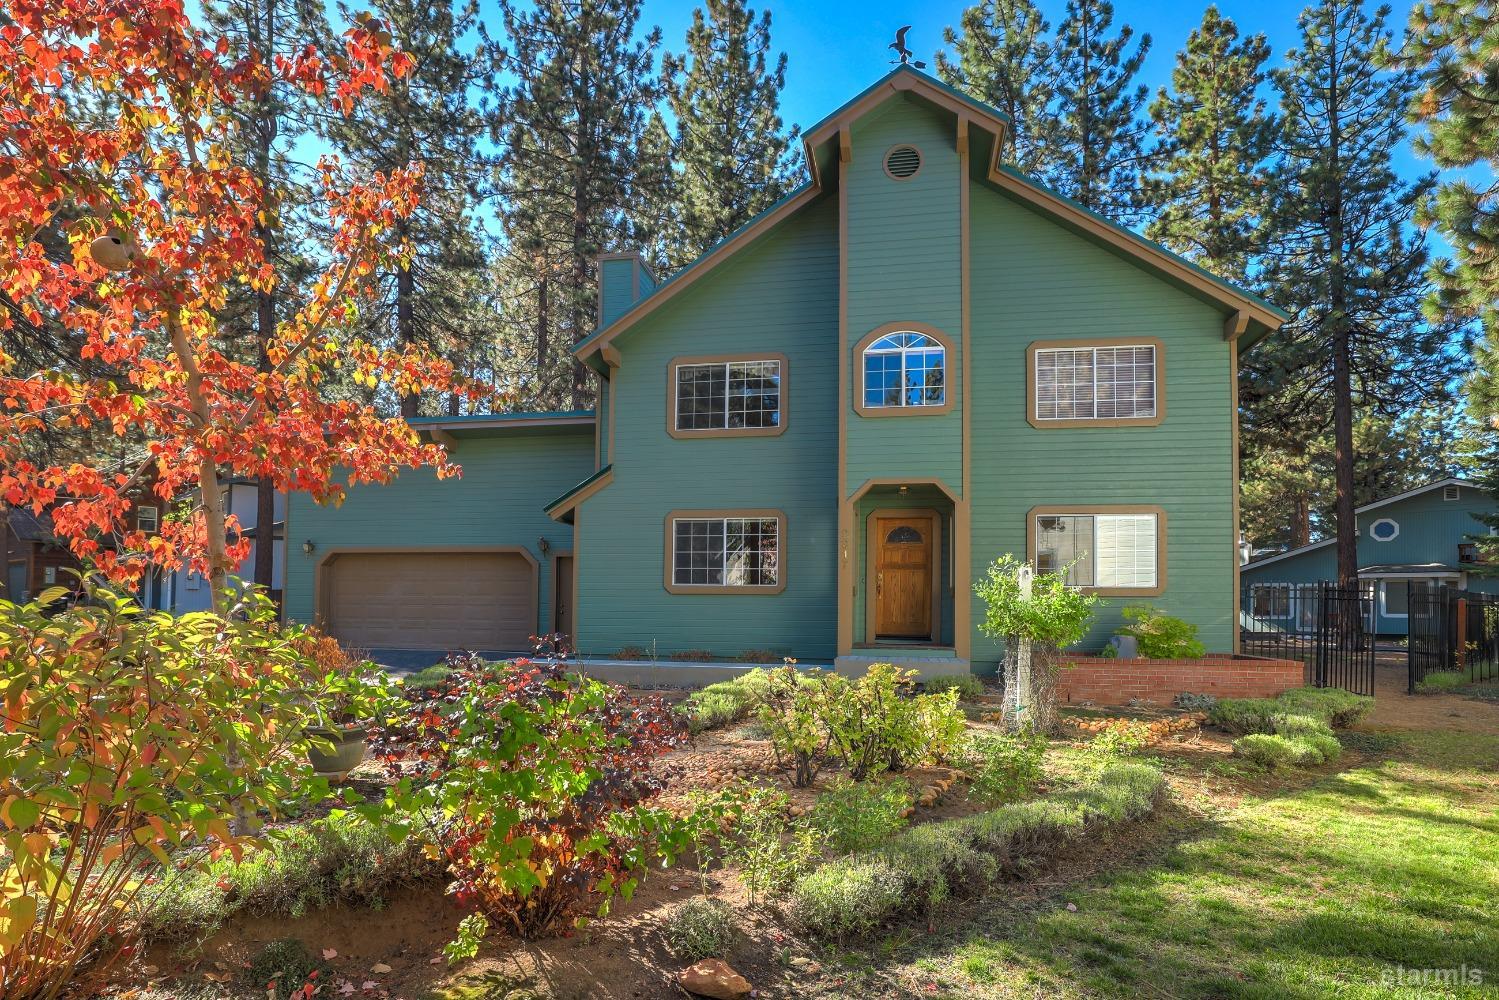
563, 618
903, 577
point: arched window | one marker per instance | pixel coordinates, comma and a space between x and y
905, 369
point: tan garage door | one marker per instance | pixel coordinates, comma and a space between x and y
432, 600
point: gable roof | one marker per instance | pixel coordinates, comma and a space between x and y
1371, 505
827, 142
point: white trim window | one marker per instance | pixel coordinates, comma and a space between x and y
728, 395
1095, 383
726, 551
1395, 598
1100, 550
148, 518
1271, 600
905, 369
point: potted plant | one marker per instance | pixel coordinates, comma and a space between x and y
345, 696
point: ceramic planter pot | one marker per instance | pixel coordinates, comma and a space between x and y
346, 752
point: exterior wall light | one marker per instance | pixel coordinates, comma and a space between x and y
308, 547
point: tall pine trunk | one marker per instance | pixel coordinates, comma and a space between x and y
1342, 345
265, 300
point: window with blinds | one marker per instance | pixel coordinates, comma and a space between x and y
1096, 383
1100, 550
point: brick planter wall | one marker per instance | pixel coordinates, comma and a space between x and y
1116, 682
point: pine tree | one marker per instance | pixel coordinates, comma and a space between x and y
731, 153
1455, 45
1209, 184
1345, 260
1004, 59
1098, 137
1289, 490
583, 87
272, 121
427, 116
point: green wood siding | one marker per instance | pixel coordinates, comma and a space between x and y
1034, 280
780, 295
507, 477
904, 264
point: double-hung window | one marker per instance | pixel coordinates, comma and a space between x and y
713, 396
1111, 551
734, 552
1103, 384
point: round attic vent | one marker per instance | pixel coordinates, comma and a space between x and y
902, 162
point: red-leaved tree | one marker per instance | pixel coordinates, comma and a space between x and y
117, 153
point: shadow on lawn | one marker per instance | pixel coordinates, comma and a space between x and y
1207, 909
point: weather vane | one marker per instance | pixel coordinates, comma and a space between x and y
899, 45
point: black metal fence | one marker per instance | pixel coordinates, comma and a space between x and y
1453, 631
1327, 627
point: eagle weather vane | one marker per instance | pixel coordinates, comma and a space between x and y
899, 45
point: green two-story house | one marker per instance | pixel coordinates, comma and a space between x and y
813, 440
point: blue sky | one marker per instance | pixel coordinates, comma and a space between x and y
834, 50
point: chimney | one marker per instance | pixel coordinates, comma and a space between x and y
624, 280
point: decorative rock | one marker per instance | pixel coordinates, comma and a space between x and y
712, 977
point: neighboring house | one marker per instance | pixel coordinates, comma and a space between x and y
184, 590
813, 440
1421, 535
35, 558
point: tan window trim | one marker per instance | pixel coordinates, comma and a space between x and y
949, 356
1052, 510
669, 560
718, 359
1045, 345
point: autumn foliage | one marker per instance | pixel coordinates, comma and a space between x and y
116, 145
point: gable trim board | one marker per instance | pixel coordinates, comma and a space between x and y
1243, 308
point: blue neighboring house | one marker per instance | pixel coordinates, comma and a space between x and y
1421, 535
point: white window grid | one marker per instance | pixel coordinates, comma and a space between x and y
905, 369
726, 551
147, 518
728, 395
1096, 383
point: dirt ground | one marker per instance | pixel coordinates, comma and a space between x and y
1394, 709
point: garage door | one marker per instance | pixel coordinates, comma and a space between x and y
432, 600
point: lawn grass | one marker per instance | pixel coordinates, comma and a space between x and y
1326, 891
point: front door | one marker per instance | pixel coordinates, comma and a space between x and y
903, 577
563, 621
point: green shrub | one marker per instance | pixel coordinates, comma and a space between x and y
855, 816
968, 686
694, 656
1273, 750
759, 656
1004, 768
879, 723
305, 867
1121, 738
848, 896
796, 708
1332, 707
926, 865
1338, 708
1438, 682
427, 679
1160, 636
701, 927
717, 705
1195, 702
770, 850
632, 653
937, 859
285, 962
